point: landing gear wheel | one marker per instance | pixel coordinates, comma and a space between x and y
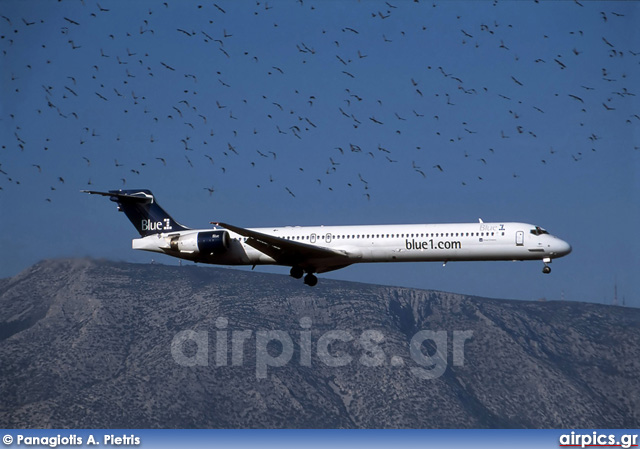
310, 280
296, 272
546, 269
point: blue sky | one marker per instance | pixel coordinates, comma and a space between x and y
530, 110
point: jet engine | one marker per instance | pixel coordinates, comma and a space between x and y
205, 242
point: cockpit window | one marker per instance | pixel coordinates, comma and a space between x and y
538, 231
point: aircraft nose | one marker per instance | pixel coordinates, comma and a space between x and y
563, 248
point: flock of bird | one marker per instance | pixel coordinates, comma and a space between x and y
294, 98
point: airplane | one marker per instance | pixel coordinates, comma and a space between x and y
309, 250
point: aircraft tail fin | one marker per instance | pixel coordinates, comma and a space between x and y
142, 210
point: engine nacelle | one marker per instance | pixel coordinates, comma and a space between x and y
205, 242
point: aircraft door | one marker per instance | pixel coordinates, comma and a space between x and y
520, 238
312, 238
328, 238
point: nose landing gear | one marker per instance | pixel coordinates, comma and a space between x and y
547, 268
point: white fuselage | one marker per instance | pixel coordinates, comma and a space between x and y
384, 243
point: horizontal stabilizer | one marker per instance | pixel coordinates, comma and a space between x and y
141, 197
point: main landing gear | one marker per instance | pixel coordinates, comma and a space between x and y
310, 279
547, 268
296, 272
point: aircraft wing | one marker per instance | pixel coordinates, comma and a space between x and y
287, 252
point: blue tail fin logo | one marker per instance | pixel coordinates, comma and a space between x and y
143, 211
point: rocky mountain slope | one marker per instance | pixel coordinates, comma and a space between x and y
86, 343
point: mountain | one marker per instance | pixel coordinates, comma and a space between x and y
101, 344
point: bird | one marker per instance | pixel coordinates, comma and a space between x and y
73, 22
575, 97
562, 66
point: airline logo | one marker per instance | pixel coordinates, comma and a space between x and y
485, 227
148, 225
430, 244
